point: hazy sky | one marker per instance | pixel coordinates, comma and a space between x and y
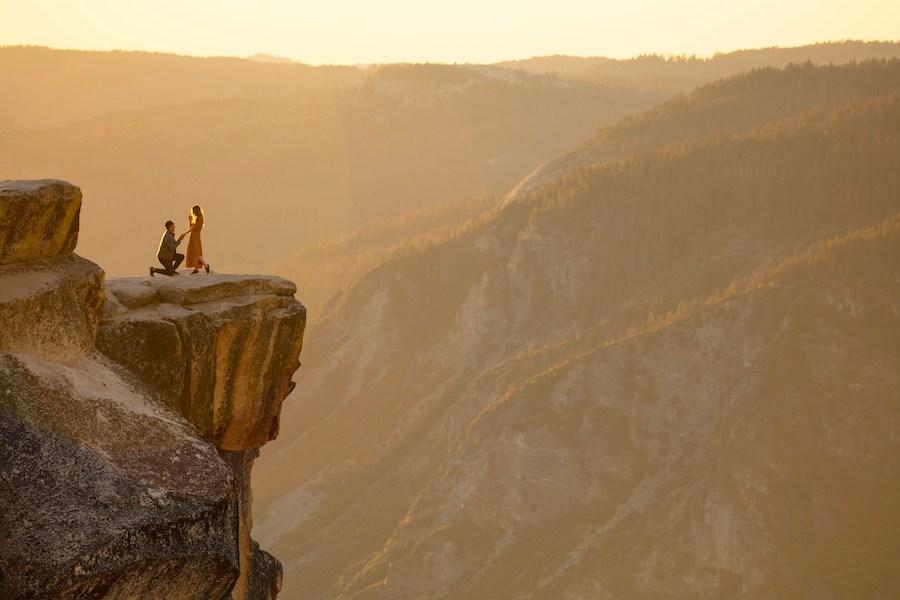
458, 31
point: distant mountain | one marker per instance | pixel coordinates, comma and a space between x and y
669, 373
709, 110
285, 157
277, 173
726, 106
677, 74
268, 58
98, 83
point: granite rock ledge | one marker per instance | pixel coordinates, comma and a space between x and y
131, 412
219, 349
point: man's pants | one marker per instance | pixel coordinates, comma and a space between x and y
170, 265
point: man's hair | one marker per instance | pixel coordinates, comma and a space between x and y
169, 224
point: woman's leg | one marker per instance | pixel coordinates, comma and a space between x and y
198, 264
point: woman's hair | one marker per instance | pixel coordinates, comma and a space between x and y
197, 212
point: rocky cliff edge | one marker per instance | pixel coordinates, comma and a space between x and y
131, 411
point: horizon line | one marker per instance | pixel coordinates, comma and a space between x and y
289, 61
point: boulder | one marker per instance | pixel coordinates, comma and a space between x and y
51, 307
38, 219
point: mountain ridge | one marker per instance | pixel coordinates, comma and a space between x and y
423, 343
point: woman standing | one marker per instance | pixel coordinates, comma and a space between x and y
195, 246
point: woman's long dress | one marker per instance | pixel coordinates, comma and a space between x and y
194, 258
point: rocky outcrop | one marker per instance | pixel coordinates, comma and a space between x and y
266, 576
38, 219
106, 494
50, 307
220, 349
130, 414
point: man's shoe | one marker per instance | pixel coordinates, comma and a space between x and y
152, 274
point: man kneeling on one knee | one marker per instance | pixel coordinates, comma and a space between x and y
166, 254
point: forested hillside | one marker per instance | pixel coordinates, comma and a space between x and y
607, 387
726, 106
325, 268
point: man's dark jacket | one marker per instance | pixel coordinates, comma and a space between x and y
167, 246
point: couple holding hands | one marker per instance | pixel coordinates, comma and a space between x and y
167, 255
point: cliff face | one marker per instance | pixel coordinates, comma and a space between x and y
220, 350
130, 415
